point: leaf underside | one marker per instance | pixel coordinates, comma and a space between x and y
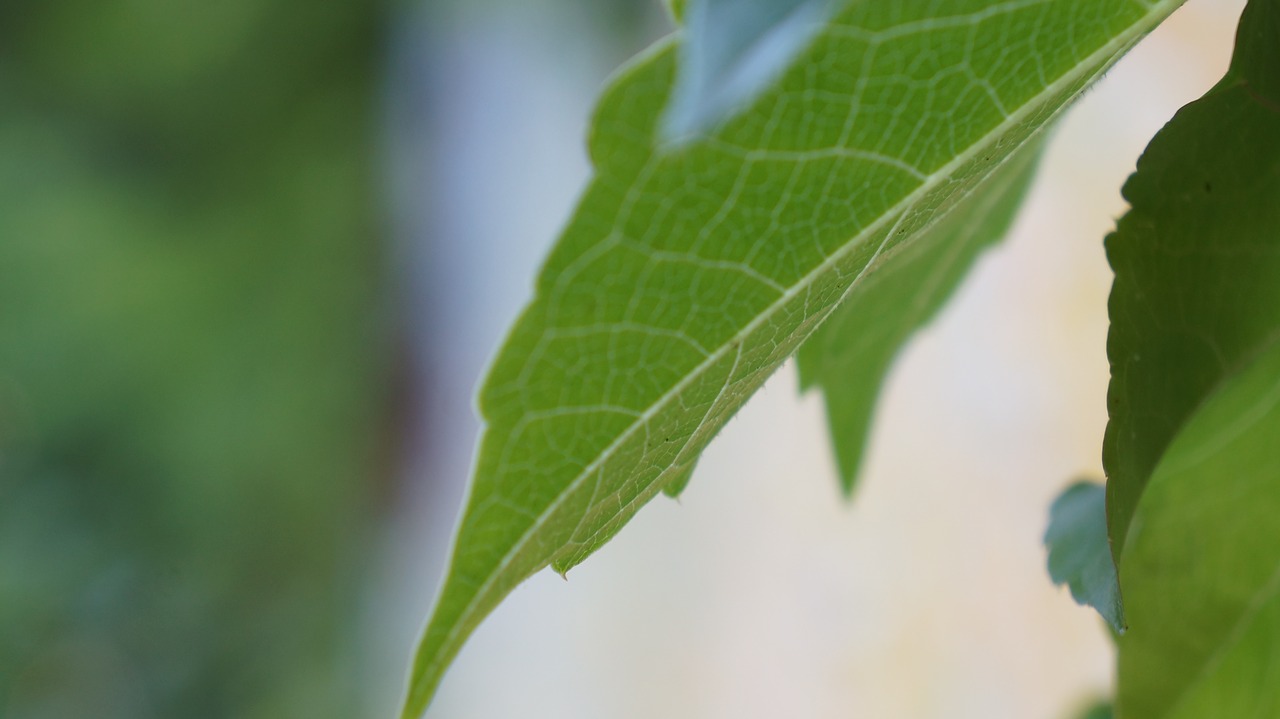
849, 356
1191, 452
686, 277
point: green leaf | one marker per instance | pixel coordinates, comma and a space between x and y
1079, 555
1197, 288
849, 356
730, 52
676, 9
679, 480
1201, 570
1100, 710
687, 276
1193, 496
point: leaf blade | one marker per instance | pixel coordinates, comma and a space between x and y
1195, 405
1201, 571
848, 357
645, 335
1175, 336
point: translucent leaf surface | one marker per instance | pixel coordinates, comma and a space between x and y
1079, 555
849, 356
686, 277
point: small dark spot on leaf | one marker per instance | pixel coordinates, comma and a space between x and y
1208, 188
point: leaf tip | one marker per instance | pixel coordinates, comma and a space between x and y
674, 487
848, 485
1080, 553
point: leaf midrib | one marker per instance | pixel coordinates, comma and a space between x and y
1101, 58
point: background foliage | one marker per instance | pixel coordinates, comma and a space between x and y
193, 356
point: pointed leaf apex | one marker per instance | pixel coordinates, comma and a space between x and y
1079, 553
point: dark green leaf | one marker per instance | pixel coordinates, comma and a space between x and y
1194, 489
1197, 263
1101, 710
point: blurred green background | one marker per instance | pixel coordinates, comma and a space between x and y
208, 381
194, 353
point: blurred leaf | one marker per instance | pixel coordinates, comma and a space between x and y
730, 52
1192, 496
1201, 570
1197, 289
850, 355
687, 277
1101, 710
676, 9
1079, 555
